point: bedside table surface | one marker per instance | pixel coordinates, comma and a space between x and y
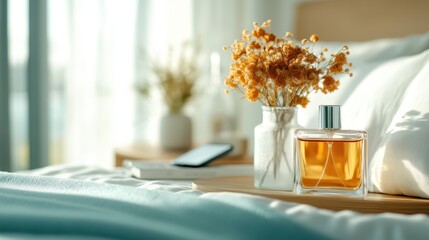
144, 151
372, 203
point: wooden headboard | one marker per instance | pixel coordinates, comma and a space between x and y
359, 20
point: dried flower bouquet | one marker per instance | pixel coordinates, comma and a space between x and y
281, 71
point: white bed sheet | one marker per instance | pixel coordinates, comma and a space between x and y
337, 225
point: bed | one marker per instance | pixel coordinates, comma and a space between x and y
83, 202
69, 202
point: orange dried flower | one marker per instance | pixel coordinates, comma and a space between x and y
330, 84
341, 58
304, 41
269, 37
303, 102
280, 71
252, 94
314, 38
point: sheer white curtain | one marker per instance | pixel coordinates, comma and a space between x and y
95, 59
92, 54
94, 62
18, 56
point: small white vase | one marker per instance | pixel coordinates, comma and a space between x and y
273, 156
176, 132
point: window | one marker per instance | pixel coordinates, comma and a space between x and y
96, 52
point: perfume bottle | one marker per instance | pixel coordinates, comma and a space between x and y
330, 160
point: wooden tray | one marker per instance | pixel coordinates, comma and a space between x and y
372, 203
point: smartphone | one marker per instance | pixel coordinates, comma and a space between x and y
203, 155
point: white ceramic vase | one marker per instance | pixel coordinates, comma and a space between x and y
175, 132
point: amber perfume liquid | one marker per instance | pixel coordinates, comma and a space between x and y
330, 162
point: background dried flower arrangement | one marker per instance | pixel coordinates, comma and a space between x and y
174, 78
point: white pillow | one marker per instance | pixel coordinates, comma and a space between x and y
382, 49
392, 105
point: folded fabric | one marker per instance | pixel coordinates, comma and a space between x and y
54, 207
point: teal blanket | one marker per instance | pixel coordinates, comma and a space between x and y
54, 208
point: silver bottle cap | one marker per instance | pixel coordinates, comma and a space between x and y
329, 117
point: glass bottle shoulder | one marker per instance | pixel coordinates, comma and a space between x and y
340, 134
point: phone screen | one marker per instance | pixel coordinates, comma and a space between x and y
202, 155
